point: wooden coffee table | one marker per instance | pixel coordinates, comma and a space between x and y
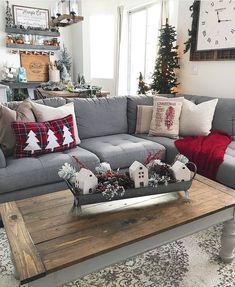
50, 246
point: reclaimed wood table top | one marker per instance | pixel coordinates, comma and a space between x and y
45, 236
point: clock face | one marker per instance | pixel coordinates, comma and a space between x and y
216, 26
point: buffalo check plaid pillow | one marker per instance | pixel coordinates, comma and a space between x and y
33, 139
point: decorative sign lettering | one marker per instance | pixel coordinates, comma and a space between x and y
31, 17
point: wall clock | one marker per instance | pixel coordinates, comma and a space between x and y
216, 25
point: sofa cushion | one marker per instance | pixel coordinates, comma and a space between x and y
166, 117
121, 150
34, 139
171, 150
52, 102
143, 119
224, 116
28, 172
132, 103
100, 116
196, 120
45, 113
22, 113
226, 171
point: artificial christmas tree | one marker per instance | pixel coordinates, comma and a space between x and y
52, 140
67, 136
142, 87
9, 17
164, 77
64, 63
32, 142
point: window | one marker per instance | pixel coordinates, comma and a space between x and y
102, 46
144, 25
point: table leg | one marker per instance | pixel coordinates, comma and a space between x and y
228, 241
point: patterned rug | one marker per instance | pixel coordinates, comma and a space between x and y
189, 262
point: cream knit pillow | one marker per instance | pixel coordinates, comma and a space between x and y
197, 120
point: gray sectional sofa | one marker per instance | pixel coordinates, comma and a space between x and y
106, 127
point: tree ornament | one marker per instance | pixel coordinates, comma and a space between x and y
32, 142
9, 17
52, 140
64, 62
142, 87
83, 81
64, 75
67, 136
164, 77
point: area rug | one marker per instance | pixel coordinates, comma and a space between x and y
190, 262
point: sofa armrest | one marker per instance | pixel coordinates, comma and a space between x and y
2, 159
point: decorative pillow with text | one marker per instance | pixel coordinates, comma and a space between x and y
166, 115
34, 139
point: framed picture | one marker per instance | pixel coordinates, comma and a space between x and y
36, 66
31, 17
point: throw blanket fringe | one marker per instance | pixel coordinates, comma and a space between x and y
207, 152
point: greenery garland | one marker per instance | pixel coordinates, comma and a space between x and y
192, 40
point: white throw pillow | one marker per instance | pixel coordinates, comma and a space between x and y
196, 120
45, 113
165, 119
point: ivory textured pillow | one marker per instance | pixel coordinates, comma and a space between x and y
165, 119
45, 113
143, 119
23, 113
197, 120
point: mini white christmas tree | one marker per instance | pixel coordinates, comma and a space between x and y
67, 136
52, 140
32, 142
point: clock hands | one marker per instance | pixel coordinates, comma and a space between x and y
218, 18
225, 20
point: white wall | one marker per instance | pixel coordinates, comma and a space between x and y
14, 60
208, 78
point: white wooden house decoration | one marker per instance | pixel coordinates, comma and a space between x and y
139, 174
181, 172
86, 181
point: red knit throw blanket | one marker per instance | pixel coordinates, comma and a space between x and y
207, 152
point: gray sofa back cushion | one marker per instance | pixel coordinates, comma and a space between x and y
224, 117
132, 103
100, 116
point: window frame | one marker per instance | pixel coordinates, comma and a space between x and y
130, 12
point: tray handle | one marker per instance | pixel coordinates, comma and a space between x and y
194, 167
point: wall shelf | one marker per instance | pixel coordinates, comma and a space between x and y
65, 20
31, 32
17, 85
33, 47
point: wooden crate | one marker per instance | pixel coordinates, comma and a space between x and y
36, 66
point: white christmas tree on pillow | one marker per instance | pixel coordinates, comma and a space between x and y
67, 136
52, 140
32, 142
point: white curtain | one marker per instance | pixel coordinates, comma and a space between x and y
120, 12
